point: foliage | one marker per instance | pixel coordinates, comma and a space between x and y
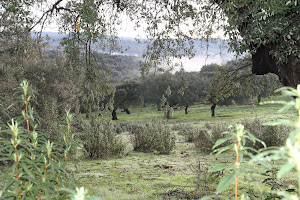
276, 24
100, 139
237, 140
152, 136
53, 85
127, 94
38, 166
288, 153
273, 136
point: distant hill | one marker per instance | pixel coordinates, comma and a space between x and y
130, 47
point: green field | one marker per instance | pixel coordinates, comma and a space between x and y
183, 174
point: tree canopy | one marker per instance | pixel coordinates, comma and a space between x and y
266, 29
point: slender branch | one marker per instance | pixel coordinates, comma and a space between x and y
49, 12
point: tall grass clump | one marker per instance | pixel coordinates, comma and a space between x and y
38, 168
152, 136
100, 139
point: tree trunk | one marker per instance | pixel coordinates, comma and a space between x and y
258, 98
158, 107
168, 113
127, 110
114, 114
213, 109
186, 109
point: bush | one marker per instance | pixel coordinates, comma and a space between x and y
188, 133
152, 136
271, 135
216, 131
202, 138
123, 127
38, 167
100, 139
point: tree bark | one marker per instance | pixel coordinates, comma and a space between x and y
258, 98
263, 63
114, 114
168, 113
127, 111
186, 109
158, 107
213, 109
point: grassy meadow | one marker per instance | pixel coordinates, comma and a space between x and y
182, 174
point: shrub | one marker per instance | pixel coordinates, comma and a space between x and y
100, 139
38, 167
216, 131
202, 138
271, 135
188, 132
152, 136
123, 127
179, 127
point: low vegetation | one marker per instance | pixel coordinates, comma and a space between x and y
148, 159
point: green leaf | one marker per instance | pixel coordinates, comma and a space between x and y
222, 149
285, 169
8, 184
221, 141
220, 167
226, 181
28, 172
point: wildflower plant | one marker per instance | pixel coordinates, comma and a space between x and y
36, 171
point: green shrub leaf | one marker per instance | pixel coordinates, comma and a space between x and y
285, 169
221, 141
220, 167
226, 181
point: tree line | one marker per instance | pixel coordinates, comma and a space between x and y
213, 84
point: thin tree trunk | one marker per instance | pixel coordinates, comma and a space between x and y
258, 98
114, 114
127, 110
213, 109
168, 113
158, 107
186, 109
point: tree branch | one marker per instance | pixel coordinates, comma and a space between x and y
49, 12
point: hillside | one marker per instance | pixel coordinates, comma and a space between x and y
205, 54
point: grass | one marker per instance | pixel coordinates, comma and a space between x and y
184, 173
153, 176
181, 175
200, 114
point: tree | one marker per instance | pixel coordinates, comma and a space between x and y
165, 102
189, 89
154, 86
228, 81
269, 30
127, 94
